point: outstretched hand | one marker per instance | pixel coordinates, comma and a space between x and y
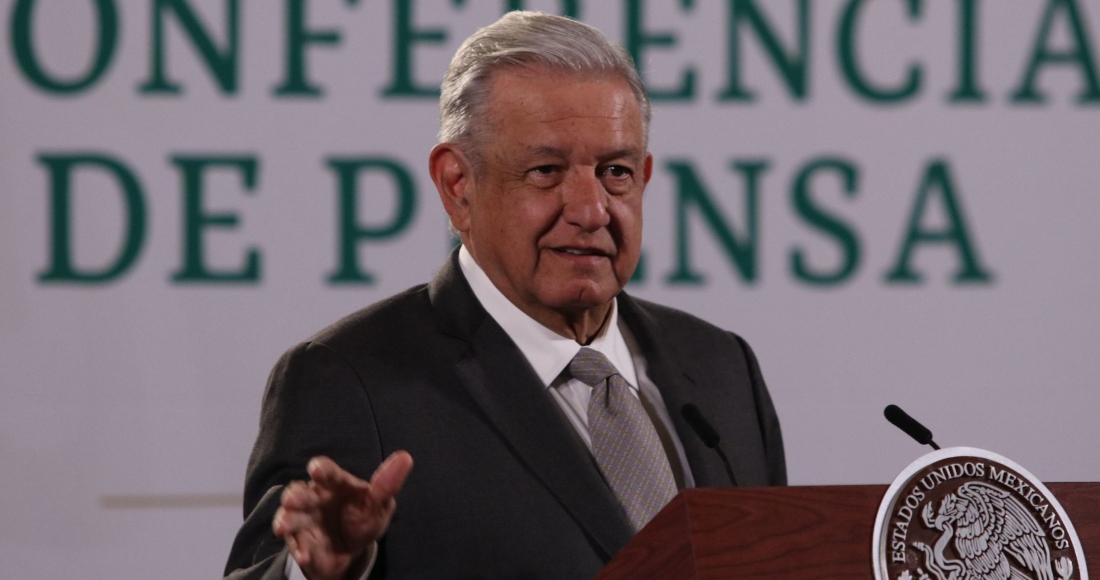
330, 522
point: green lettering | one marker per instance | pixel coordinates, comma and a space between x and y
691, 193
222, 64
22, 40
637, 41
61, 268
849, 63
826, 223
298, 38
968, 89
937, 178
1079, 55
793, 68
196, 220
405, 36
352, 233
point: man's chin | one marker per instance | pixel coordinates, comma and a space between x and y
579, 298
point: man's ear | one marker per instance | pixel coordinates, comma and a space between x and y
453, 176
647, 172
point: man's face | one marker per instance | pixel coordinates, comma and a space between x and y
554, 214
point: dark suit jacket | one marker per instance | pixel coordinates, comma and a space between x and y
503, 486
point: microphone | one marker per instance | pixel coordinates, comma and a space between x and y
707, 434
903, 421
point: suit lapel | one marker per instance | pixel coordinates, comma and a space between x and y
676, 388
502, 383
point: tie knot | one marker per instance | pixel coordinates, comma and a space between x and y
591, 367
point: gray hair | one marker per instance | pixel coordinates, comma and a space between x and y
526, 40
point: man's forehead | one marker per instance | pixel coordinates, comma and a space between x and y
523, 104
558, 97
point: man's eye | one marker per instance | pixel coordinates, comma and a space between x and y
617, 171
545, 169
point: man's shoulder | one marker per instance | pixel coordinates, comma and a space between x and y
674, 321
693, 341
395, 317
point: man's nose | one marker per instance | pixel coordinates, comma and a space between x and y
584, 201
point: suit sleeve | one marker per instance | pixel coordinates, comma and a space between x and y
769, 420
314, 404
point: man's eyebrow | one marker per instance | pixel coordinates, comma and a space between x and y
550, 151
546, 150
625, 153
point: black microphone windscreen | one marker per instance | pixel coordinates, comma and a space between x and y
903, 421
700, 425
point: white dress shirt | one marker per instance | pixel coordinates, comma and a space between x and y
549, 354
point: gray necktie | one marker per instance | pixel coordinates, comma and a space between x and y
625, 444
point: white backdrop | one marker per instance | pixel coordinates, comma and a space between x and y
128, 405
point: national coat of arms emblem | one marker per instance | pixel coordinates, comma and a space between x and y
968, 514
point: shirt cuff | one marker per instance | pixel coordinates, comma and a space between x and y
294, 572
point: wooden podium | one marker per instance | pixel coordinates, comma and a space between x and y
790, 532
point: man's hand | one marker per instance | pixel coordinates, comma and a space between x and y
330, 522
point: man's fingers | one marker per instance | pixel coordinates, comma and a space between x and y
310, 548
315, 554
298, 495
327, 474
390, 476
330, 520
287, 522
300, 556
384, 484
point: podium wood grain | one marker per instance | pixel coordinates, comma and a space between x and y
789, 532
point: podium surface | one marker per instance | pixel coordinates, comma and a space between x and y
789, 532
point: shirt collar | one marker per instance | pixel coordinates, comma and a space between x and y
547, 351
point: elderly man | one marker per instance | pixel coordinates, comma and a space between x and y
542, 404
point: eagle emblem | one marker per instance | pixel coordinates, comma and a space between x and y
969, 514
993, 536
